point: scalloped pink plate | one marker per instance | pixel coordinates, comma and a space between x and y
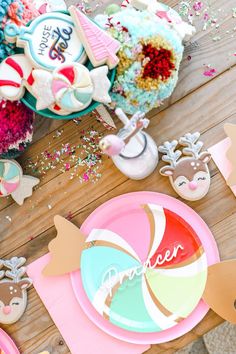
7, 346
103, 217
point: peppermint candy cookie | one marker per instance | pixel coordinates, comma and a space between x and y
70, 88
14, 183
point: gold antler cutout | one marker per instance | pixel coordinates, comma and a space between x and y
230, 130
65, 249
220, 291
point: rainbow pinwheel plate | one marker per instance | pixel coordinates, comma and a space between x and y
144, 267
7, 346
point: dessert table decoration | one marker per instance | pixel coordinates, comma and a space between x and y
16, 133
15, 119
230, 130
80, 334
100, 47
150, 54
7, 346
223, 155
140, 248
44, 6
75, 244
14, 183
133, 152
167, 15
70, 87
13, 286
48, 41
52, 75
187, 170
220, 290
14, 12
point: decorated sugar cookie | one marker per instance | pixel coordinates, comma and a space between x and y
70, 88
49, 41
100, 46
188, 171
14, 73
14, 183
13, 286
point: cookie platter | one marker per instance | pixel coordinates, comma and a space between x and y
65, 66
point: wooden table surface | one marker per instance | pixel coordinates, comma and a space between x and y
198, 103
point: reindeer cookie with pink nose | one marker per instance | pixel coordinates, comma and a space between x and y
13, 286
187, 170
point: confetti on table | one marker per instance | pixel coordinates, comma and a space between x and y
209, 72
82, 160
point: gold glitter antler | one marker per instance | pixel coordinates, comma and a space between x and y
230, 130
65, 249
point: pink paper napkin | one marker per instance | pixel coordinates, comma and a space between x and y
218, 152
80, 334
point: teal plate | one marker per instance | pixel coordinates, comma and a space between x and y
30, 101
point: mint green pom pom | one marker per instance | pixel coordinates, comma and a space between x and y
112, 9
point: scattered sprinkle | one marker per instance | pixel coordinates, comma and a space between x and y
234, 12
82, 160
8, 218
209, 72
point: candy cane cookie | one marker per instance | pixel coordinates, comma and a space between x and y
15, 74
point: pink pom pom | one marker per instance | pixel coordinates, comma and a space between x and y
16, 126
112, 145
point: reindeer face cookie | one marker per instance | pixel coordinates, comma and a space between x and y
188, 174
13, 294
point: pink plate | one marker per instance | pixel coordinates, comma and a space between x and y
7, 346
104, 216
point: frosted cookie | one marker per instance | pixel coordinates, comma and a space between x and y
100, 46
14, 73
188, 174
49, 41
13, 286
14, 183
71, 88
